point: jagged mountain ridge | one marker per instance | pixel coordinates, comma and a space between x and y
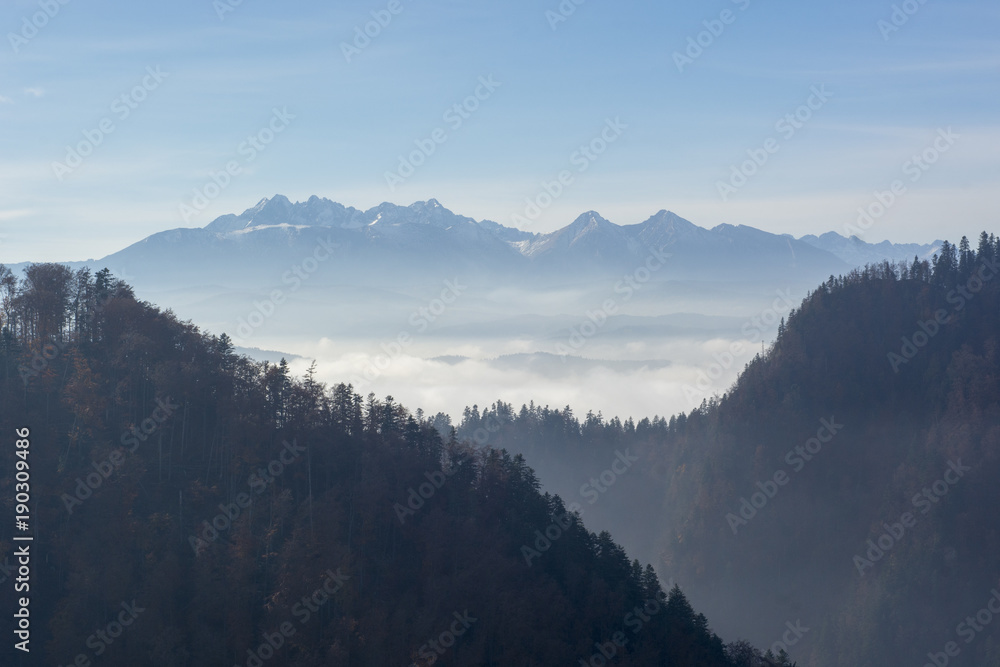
425, 240
589, 230
858, 252
379, 243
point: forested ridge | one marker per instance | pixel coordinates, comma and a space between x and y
239, 500
235, 515
877, 410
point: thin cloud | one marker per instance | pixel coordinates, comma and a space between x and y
13, 214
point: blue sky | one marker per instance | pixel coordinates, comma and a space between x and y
890, 93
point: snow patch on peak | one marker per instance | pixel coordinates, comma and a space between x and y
256, 208
589, 220
258, 228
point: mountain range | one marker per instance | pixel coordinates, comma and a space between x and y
372, 247
358, 277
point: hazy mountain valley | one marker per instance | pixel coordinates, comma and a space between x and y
477, 334
803, 502
484, 311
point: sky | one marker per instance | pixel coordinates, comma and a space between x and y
120, 119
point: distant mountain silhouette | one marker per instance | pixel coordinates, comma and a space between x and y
388, 243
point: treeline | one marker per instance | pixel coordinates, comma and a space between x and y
901, 360
234, 514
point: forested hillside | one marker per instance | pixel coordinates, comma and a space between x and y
193, 507
846, 482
